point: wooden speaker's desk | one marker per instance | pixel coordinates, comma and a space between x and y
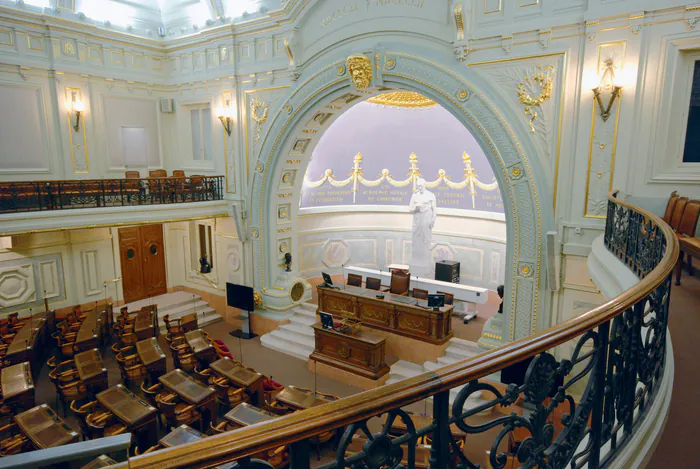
362, 354
398, 314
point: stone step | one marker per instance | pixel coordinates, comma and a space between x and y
166, 302
302, 320
298, 328
284, 346
459, 353
308, 307
294, 338
178, 311
307, 313
447, 360
406, 369
432, 366
465, 344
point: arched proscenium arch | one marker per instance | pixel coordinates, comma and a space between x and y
517, 177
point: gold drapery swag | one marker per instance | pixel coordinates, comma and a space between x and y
470, 181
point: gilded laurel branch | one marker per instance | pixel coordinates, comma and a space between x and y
541, 80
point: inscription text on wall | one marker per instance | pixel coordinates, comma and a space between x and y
339, 13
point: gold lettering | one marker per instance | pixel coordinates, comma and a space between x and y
339, 13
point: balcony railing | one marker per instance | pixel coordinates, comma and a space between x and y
58, 195
583, 407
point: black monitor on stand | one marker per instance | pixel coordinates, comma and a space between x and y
436, 301
243, 298
327, 281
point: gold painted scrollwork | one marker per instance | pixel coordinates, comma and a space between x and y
258, 299
540, 80
360, 70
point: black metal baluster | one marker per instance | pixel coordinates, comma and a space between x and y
599, 375
299, 454
440, 449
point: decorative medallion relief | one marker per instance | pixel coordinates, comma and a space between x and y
284, 213
283, 247
17, 285
335, 253
443, 252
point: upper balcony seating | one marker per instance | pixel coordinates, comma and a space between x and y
158, 188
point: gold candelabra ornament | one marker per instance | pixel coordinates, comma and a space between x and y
77, 107
225, 115
608, 83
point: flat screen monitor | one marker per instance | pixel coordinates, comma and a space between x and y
240, 296
436, 301
327, 279
326, 320
515, 374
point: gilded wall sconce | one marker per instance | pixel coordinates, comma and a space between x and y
76, 106
608, 83
225, 115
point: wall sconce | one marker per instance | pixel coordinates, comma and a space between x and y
225, 115
608, 83
78, 107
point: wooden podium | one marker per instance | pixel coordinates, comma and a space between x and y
362, 354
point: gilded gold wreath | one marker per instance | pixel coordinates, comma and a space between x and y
258, 110
543, 78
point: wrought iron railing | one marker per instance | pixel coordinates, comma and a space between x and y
58, 195
574, 409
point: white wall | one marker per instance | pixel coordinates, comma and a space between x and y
66, 267
328, 240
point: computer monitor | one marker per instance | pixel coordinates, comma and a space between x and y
515, 374
240, 296
326, 320
327, 280
436, 301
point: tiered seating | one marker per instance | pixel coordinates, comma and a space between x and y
682, 215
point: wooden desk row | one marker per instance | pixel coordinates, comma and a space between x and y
26, 341
91, 370
398, 314
17, 386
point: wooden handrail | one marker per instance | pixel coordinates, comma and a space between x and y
295, 427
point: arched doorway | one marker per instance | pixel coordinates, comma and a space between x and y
325, 94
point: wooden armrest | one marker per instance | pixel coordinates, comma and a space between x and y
184, 410
277, 451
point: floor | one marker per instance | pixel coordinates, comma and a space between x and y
678, 440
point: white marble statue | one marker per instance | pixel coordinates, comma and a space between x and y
424, 209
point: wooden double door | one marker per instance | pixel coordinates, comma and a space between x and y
142, 255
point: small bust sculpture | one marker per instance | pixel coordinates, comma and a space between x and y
204, 266
288, 262
500, 290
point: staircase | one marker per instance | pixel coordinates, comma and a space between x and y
457, 350
178, 304
297, 337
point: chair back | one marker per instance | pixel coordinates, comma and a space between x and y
178, 173
420, 294
132, 175
678, 212
400, 283
449, 297
167, 408
689, 220
158, 173
354, 280
670, 205
373, 283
